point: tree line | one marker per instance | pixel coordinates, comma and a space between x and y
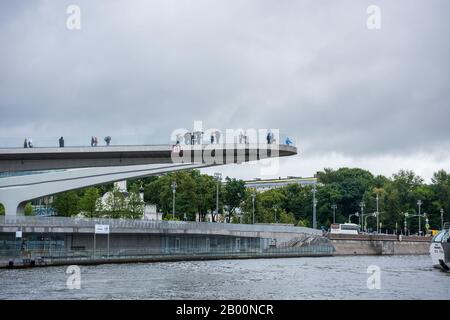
346, 188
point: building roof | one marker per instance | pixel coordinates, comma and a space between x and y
271, 183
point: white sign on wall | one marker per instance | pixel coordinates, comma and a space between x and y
18, 234
102, 229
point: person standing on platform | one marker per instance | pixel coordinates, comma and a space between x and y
61, 142
187, 138
217, 137
288, 141
179, 137
30, 143
25, 144
92, 141
198, 137
107, 140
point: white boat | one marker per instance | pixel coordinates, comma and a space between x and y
440, 249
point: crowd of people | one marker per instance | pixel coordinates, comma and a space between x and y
196, 137
28, 142
94, 141
189, 138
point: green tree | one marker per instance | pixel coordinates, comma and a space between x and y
66, 204
28, 210
206, 194
352, 184
303, 223
286, 218
2, 210
234, 195
135, 206
401, 196
440, 184
186, 197
115, 204
89, 203
327, 195
152, 190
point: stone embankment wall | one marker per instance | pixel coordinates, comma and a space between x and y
379, 244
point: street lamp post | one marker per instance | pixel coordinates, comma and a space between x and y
253, 205
442, 219
418, 215
419, 203
368, 216
406, 223
362, 205
334, 207
174, 189
378, 220
314, 190
355, 214
218, 177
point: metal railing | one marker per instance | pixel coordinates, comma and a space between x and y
32, 221
135, 140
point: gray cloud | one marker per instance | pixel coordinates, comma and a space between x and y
311, 69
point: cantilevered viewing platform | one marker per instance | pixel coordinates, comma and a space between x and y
32, 173
52, 158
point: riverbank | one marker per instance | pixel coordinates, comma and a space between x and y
65, 241
379, 245
19, 263
338, 245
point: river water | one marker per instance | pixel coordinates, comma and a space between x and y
401, 277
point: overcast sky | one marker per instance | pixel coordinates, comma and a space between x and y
376, 99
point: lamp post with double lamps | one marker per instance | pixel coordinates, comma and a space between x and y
419, 203
174, 189
314, 190
253, 205
362, 205
378, 220
368, 216
334, 207
275, 207
218, 177
356, 214
406, 223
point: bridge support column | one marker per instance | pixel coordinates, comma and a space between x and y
13, 207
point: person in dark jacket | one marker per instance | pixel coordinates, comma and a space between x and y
61, 142
25, 144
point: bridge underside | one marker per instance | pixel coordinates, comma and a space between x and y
16, 191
